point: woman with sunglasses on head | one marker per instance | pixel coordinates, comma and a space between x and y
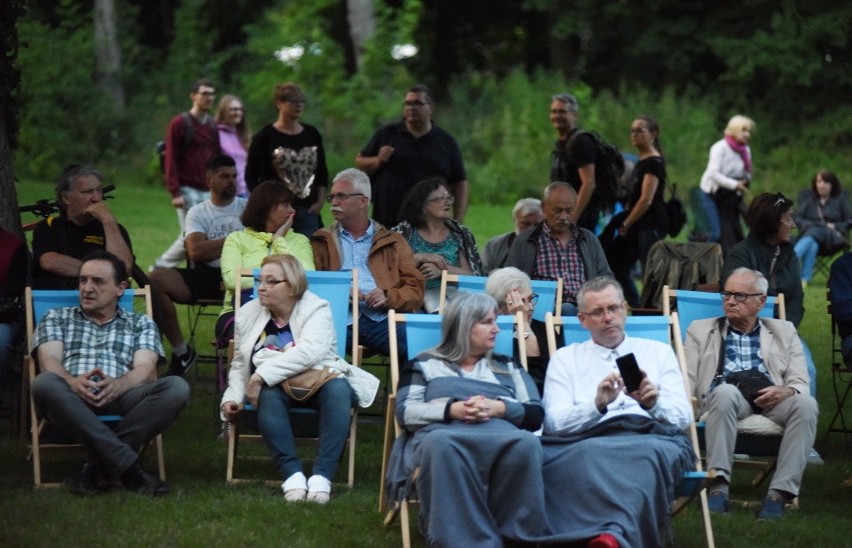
285, 150
286, 331
439, 242
234, 136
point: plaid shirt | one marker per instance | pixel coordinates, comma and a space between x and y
87, 345
742, 351
554, 260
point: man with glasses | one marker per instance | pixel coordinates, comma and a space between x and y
718, 350
85, 224
637, 432
403, 153
387, 273
191, 140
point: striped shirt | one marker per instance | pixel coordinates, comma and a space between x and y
87, 345
554, 260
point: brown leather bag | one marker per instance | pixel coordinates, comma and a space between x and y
302, 386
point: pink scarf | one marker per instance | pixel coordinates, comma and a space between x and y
742, 150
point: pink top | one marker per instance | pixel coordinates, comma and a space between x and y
229, 143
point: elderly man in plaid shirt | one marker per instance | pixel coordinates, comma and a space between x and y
98, 359
557, 248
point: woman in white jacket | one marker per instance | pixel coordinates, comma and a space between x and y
725, 180
286, 331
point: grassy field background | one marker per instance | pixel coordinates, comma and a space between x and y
204, 510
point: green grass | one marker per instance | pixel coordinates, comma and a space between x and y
203, 510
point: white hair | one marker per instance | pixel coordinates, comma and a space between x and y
360, 180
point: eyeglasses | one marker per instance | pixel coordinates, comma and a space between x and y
612, 310
302, 102
207, 93
91, 191
270, 282
447, 198
341, 196
531, 299
236, 109
637, 130
739, 297
559, 111
416, 103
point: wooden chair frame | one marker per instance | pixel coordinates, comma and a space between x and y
68, 298
392, 427
235, 437
664, 329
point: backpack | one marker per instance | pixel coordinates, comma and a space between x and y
609, 167
676, 213
188, 130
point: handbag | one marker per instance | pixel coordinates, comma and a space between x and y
305, 384
749, 382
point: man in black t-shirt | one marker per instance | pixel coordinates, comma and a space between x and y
84, 225
404, 153
577, 167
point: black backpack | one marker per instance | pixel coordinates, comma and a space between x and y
676, 213
188, 130
609, 167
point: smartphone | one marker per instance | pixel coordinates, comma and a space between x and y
630, 372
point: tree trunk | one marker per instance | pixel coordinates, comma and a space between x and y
362, 25
108, 53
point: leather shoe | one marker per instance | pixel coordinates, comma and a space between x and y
85, 482
138, 480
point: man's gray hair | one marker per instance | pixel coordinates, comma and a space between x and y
760, 284
569, 100
596, 285
359, 180
503, 280
553, 186
525, 206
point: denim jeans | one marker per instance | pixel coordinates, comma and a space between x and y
714, 231
333, 402
374, 335
175, 254
806, 249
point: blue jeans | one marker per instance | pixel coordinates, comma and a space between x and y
374, 335
8, 331
806, 249
714, 230
333, 402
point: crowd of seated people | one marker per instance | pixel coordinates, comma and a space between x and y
460, 403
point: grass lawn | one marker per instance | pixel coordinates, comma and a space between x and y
203, 510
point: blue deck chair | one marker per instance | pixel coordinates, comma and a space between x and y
38, 303
658, 328
423, 331
338, 288
549, 292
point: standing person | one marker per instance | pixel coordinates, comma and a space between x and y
387, 273
720, 349
290, 150
234, 136
573, 160
557, 248
98, 359
726, 179
85, 224
646, 221
438, 241
191, 140
823, 218
526, 214
403, 153
207, 226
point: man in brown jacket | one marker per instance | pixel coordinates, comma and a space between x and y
387, 273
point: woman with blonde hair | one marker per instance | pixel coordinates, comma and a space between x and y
234, 136
726, 179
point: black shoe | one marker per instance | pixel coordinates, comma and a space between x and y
181, 364
138, 480
85, 482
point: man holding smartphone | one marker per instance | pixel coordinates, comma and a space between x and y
584, 385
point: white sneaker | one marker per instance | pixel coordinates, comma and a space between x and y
814, 458
295, 488
319, 489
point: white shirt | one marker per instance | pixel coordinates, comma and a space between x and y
576, 370
215, 222
725, 168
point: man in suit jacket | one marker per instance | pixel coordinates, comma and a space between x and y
767, 347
